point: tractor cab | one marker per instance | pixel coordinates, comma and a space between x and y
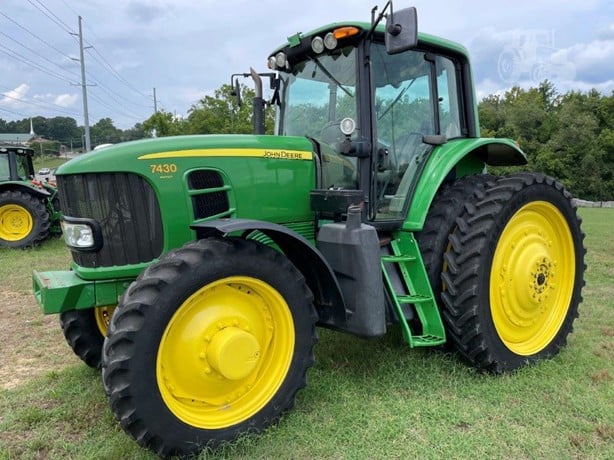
16, 163
375, 106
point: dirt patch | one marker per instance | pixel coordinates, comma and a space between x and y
31, 343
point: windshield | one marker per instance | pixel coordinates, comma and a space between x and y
24, 170
316, 95
5, 173
403, 114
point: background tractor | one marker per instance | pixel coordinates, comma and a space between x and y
29, 209
208, 261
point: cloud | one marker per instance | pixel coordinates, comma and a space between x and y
594, 61
525, 57
147, 12
12, 98
65, 100
607, 33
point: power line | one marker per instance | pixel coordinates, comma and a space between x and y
66, 75
35, 36
14, 113
94, 79
105, 90
25, 60
44, 105
117, 74
114, 109
108, 66
38, 54
51, 15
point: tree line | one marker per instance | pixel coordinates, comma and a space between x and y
569, 136
65, 131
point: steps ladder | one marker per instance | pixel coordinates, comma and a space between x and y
406, 256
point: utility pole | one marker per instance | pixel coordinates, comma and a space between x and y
155, 101
86, 119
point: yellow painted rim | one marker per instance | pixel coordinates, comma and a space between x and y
16, 222
103, 318
225, 352
532, 278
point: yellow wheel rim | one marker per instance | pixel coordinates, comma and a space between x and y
532, 278
103, 318
15, 222
225, 352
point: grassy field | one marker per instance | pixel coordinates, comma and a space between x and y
50, 162
365, 399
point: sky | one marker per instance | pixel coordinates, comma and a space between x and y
187, 49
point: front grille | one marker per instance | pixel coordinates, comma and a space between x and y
127, 210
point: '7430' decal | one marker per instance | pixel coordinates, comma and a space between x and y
164, 168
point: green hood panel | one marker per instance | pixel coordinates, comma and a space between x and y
200, 178
119, 156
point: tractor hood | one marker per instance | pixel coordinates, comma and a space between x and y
148, 194
137, 156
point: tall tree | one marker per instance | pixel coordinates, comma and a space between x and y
163, 124
222, 114
104, 132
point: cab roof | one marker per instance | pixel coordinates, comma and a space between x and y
424, 40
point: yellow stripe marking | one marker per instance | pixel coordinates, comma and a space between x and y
278, 154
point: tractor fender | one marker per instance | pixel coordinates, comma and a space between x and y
24, 187
305, 257
458, 158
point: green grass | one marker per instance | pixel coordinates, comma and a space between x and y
46, 161
372, 399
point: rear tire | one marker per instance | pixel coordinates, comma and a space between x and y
515, 273
212, 341
85, 331
440, 223
24, 220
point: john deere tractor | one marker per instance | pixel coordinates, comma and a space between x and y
208, 261
29, 209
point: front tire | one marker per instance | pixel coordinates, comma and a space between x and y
24, 220
85, 331
212, 341
515, 273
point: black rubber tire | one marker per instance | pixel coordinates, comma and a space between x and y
467, 303
433, 240
137, 327
38, 212
83, 335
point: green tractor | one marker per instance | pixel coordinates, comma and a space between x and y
29, 209
203, 264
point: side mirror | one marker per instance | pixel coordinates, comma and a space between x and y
236, 92
401, 30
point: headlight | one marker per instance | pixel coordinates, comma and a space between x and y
330, 41
317, 45
280, 60
82, 234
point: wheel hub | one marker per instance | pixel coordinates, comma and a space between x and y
234, 353
532, 277
542, 275
225, 352
103, 318
15, 222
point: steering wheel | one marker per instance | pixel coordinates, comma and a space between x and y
407, 143
331, 133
